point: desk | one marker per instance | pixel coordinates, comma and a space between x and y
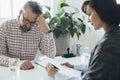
38, 73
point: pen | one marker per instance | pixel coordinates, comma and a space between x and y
55, 67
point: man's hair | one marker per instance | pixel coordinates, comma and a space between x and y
108, 10
36, 7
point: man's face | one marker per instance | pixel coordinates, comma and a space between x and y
28, 19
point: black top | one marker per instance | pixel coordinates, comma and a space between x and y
104, 62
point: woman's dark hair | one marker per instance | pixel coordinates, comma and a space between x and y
36, 8
108, 10
84, 6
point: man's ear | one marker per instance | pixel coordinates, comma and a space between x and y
20, 12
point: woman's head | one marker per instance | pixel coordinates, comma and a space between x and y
107, 11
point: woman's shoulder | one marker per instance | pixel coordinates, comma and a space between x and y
113, 34
112, 40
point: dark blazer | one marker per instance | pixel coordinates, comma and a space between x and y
105, 58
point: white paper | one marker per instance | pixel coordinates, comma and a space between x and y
44, 60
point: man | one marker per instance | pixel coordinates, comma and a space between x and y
22, 37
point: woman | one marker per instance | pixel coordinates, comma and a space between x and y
104, 61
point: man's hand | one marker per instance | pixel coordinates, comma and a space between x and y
67, 64
26, 65
42, 24
51, 70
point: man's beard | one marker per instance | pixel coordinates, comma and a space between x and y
25, 29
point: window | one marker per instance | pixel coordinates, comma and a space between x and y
5, 9
10, 8
118, 1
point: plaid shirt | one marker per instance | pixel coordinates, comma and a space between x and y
24, 45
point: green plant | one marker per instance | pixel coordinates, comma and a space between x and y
65, 21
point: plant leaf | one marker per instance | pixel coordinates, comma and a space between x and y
83, 28
59, 4
71, 31
47, 7
57, 33
80, 19
60, 13
47, 15
77, 31
63, 5
53, 20
64, 23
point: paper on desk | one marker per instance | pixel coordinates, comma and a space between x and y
44, 60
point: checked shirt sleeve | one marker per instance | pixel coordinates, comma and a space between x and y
47, 45
3, 46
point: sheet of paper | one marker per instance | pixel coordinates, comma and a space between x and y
44, 60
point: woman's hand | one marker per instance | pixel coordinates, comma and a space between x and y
42, 24
67, 64
51, 70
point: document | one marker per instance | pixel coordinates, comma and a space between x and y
44, 60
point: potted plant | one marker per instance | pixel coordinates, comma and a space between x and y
65, 22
